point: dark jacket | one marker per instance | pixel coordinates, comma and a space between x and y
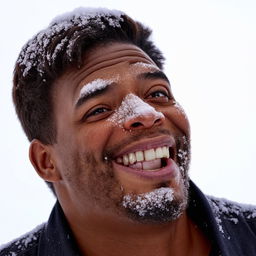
229, 226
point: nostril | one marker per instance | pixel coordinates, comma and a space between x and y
157, 121
136, 124
147, 120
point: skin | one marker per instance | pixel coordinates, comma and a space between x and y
89, 188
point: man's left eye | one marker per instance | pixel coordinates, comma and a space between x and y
158, 94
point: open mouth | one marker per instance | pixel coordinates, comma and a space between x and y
147, 160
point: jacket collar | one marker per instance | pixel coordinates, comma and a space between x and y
57, 238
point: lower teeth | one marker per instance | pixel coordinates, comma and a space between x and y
153, 165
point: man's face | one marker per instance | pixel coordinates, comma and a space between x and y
117, 122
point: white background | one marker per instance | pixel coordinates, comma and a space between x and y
210, 47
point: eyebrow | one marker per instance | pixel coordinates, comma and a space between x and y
95, 88
99, 86
154, 75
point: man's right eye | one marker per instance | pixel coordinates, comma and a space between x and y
96, 113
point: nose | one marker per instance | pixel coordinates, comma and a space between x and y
144, 121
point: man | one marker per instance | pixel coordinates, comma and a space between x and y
112, 143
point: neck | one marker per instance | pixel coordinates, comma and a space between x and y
116, 237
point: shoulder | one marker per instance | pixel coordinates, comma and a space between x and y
25, 245
228, 213
230, 209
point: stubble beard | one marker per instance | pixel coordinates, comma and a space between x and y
158, 206
163, 204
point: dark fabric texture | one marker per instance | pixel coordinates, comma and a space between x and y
230, 227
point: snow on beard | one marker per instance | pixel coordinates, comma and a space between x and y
156, 206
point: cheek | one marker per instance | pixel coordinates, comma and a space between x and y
94, 138
179, 118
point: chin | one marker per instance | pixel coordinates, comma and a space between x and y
160, 205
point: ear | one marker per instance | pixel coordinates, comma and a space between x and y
42, 158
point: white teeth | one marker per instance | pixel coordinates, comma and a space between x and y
132, 158
125, 160
159, 153
150, 154
119, 160
166, 152
152, 165
147, 155
139, 156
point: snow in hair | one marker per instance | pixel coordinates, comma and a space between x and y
35, 47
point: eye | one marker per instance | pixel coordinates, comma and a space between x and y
158, 94
96, 113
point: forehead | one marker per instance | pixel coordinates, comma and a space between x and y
114, 53
107, 62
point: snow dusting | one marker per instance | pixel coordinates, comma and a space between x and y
180, 108
183, 156
184, 159
231, 211
86, 13
145, 65
131, 107
95, 85
143, 203
34, 53
57, 49
23, 243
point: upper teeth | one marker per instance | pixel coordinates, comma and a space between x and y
146, 155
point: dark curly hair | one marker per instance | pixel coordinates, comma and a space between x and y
60, 46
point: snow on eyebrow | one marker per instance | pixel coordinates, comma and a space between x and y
96, 85
145, 65
138, 66
132, 106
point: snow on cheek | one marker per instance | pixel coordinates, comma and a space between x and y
131, 107
180, 109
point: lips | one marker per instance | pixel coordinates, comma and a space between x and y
151, 157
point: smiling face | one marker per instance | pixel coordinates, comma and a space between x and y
122, 140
